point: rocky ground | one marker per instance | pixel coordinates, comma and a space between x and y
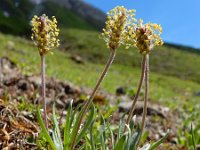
18, 94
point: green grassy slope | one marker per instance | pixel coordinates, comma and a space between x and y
84, 40
164, 60
166, 89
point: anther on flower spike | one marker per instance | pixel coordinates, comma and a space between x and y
114, 34
45, 36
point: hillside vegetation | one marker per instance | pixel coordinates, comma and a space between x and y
166, 60
80, 37
124, 72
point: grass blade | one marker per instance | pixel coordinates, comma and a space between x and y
156, 144
57, 129
112, 136
120, 130
56, 141
134, 140
92, 137
86, 125
45, 132
67, 128
193, 138
75, 127
145, 147
102, 133
121, 143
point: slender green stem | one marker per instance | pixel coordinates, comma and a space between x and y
146, 92
43, 88
145, 96
89, 101
138, 92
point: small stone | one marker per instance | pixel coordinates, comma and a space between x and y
36, 80
152, 109
7, 65
197, 93
125, 106
68, 89
23, 85
120, 91
77, 59
60, 103
99, 99
10, 45
198, 147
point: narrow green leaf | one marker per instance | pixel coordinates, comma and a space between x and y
111, 134
57, 129
131, 125
102, 133
87, 143
128, 135
120, 130
193, 138
92, 137
74, 115
82, 147
56, 141
67, 128
86, 125
145, 147
75, 127
188, 137
45, 132
144, 137
134, 140
121, 143
156, 144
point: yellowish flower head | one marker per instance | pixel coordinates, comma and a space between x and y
45, 33
115, 32
147, 36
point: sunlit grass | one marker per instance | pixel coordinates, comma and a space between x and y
166, 89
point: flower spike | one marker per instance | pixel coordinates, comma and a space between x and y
45, 33
147, 37
115, 32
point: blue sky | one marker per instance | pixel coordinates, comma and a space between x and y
180, 19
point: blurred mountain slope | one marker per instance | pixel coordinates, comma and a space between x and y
16, 14
80, 37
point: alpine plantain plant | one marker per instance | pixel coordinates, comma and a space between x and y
94, 132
